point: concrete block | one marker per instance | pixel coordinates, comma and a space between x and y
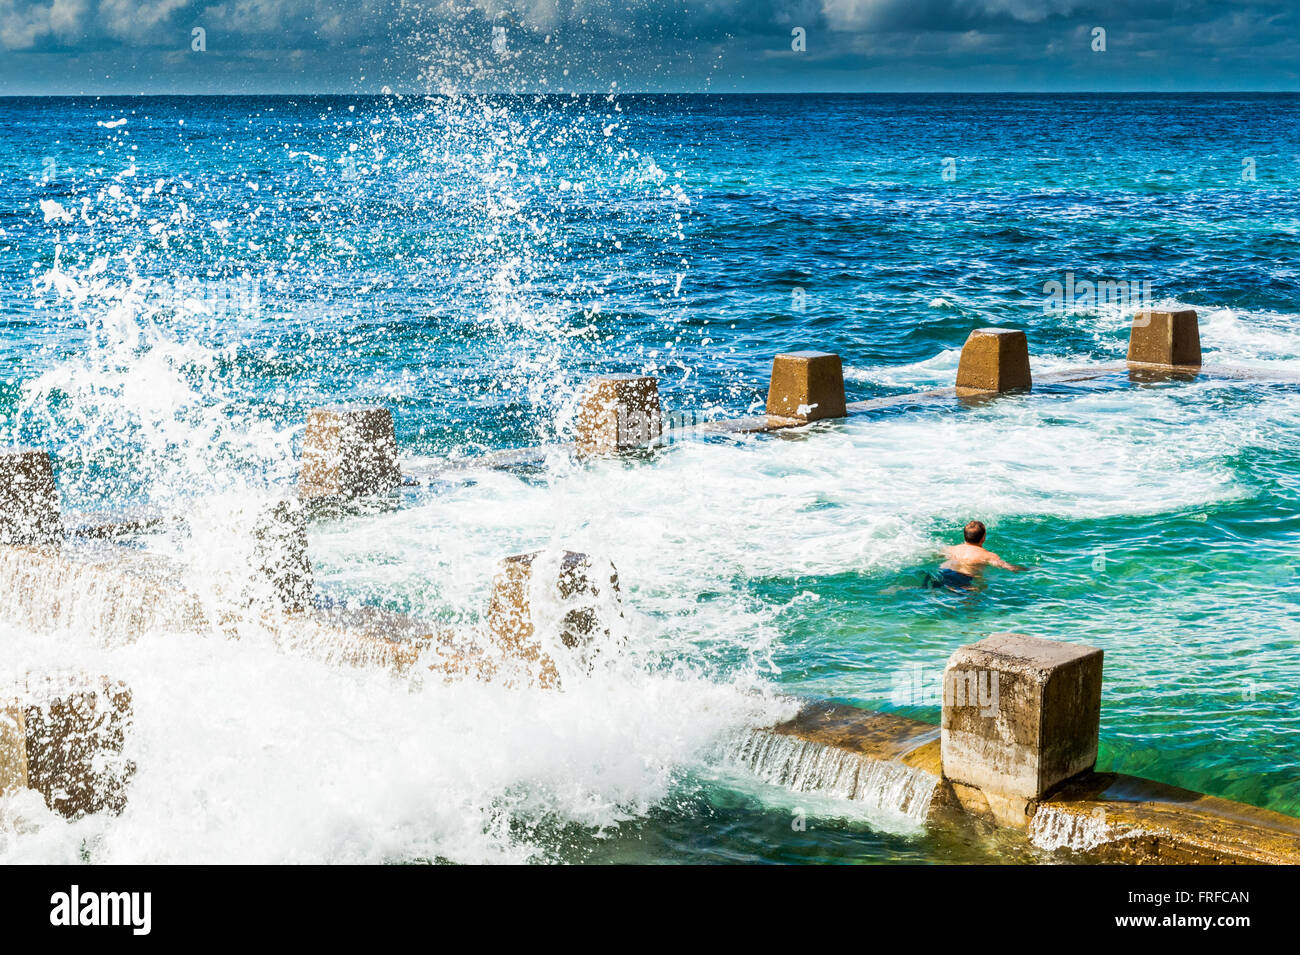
349, 452
807, 385
568, 600
1020, 715
1165, 338
618, 412
994, 360
280, 571
73, 729
29, 500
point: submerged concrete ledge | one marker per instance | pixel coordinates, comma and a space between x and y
1130, 819
106, 525
864, 732
350, 452
111, 596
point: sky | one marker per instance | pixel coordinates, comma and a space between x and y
345, 46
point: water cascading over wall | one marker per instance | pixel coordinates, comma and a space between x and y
810, 767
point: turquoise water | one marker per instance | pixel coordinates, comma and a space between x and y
187, 283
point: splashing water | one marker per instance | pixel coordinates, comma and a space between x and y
1052, 828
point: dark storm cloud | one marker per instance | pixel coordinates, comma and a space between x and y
345, 45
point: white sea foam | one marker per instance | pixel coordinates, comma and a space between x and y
1052, 828
1229, 336
940, 370
1251, 337
144, 381
54, 212
246, 754
935, 372
858, 495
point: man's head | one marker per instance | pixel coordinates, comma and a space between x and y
975, 532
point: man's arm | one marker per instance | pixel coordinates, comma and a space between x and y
997, 561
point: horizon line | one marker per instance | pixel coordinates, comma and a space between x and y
606, 92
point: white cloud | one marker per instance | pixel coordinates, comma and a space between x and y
23, 24
135, 20
852, 15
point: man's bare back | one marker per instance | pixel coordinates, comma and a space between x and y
966, 562
969, 559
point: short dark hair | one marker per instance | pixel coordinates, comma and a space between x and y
974, 532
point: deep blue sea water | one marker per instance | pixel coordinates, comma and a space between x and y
182, 278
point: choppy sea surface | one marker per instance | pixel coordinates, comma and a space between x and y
182, 278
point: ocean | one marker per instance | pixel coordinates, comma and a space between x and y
182, 278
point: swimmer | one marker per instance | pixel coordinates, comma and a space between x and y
966, 561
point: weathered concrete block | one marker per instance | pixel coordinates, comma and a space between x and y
1165, 338
29, 500
63, 737
618, 412
349, 452
568, 600
1020, 715
994, 360
280, 569
807, 385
